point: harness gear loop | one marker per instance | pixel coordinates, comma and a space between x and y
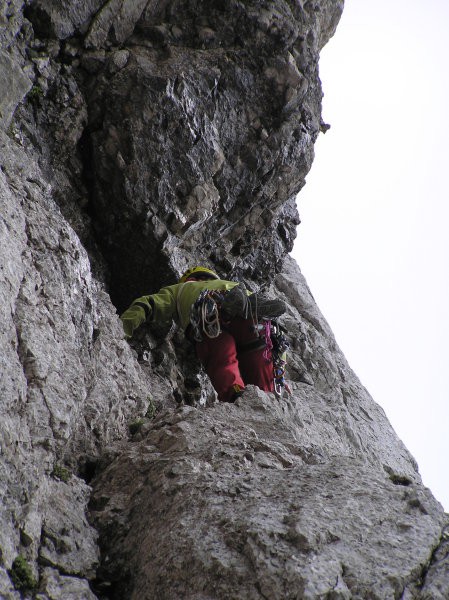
276, 345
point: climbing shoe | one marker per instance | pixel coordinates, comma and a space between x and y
235, 302
237, 391
265, 307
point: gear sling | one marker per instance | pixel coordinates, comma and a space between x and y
239, 350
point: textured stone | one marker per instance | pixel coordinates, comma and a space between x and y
67, 383
6, 586
67, 541
435, 584
243, 501
175, 106
52, 18
116, 19
14, 84
158, 135
60, 587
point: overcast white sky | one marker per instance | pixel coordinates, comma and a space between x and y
374, 241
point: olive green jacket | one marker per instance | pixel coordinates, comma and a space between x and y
170, 303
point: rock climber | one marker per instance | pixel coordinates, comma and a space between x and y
230, 327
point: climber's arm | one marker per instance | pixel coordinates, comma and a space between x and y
139, 311
160, 307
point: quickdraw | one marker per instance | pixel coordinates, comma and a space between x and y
276, 346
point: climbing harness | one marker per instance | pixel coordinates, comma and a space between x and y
276, 346
205, 315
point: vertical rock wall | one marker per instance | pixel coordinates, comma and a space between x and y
137, 138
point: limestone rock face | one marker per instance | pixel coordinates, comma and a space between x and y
242, 501
136, 139
201, 132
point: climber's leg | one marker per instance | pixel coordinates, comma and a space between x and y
219, 358
254, 368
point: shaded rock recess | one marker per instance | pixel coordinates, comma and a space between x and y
138, 138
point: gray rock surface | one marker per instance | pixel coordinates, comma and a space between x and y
242, 501
137, 138
14, 85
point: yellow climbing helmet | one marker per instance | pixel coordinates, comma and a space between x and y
197, 271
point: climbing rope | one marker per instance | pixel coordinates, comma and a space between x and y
210, 318
205, 321
205, 315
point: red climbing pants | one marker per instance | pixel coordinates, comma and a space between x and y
231, 362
